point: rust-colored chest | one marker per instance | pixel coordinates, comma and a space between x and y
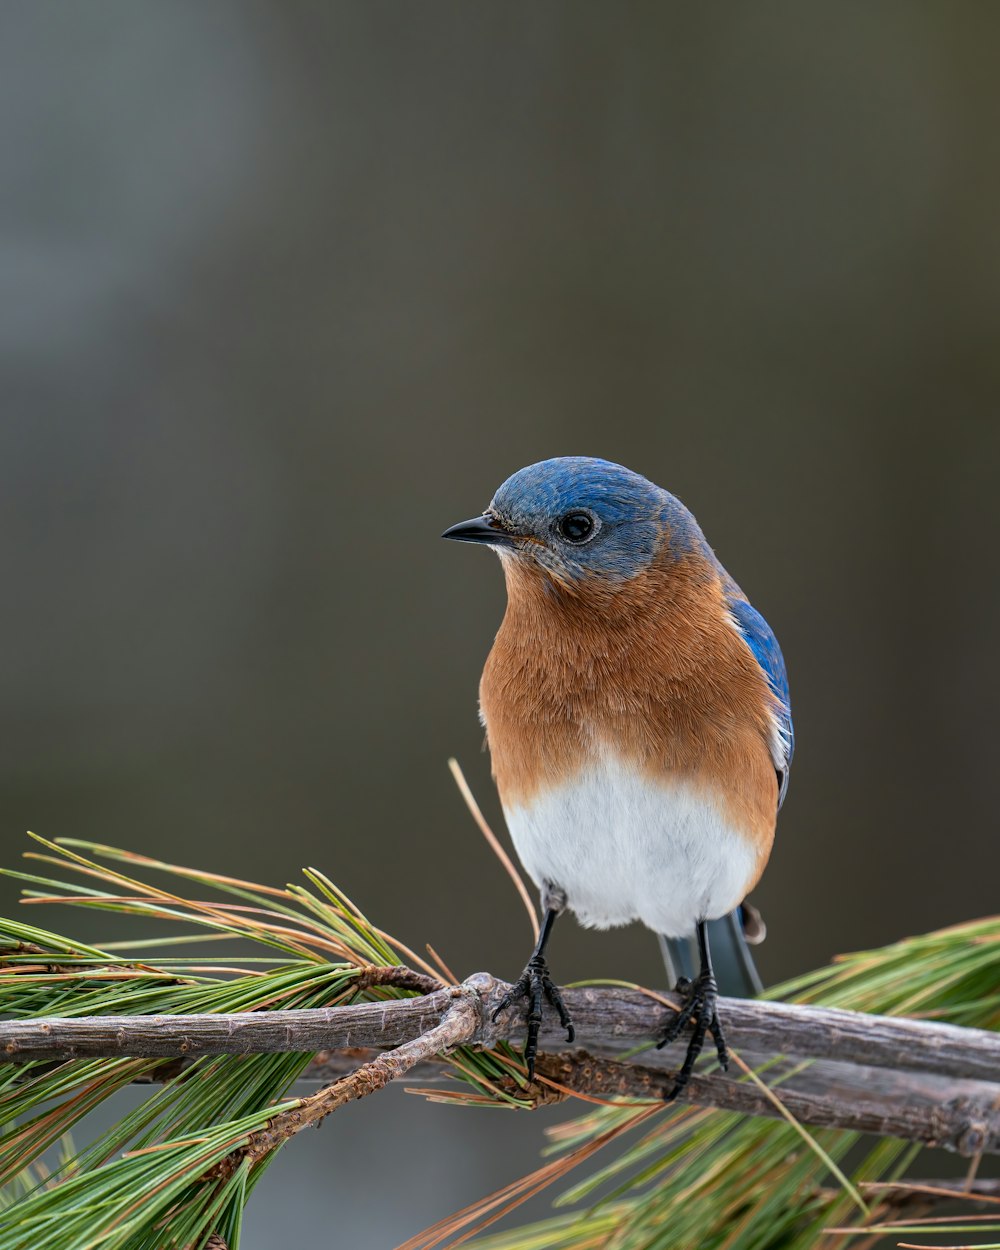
653, 675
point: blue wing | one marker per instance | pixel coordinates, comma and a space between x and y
762, 642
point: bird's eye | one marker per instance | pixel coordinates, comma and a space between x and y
576, 527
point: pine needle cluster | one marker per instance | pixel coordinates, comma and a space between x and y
180, 1167
176, 1172
708, 1180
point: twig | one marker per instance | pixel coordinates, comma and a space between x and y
399, 977
459, 1022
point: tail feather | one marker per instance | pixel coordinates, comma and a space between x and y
735, 970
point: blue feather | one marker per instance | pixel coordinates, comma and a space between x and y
635, 514
761, 640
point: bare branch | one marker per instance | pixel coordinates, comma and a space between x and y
913, 1079
960, 1116
457, 1025
611, 1019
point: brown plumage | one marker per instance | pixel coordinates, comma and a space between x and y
652, 671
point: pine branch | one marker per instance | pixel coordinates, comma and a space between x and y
912, 1079
180, 1169
454, 1028
959, 1116
611, 1018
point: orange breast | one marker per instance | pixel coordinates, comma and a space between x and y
653, 674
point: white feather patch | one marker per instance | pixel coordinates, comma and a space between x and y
625, 848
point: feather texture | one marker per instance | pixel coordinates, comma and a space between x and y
650, 682
636, 705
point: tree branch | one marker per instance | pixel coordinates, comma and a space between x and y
454, 1028
614, 1019
960, 1116
914, 1079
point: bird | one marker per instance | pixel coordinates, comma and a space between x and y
637, 714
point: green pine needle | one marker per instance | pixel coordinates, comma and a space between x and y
700, 1178
675, 1177
146, 1183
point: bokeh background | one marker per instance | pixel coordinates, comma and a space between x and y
287, 288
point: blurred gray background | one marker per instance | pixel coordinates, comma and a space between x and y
287, 288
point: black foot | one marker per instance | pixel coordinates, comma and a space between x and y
534, 984
700, 998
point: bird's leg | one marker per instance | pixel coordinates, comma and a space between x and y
536, 985
700, 998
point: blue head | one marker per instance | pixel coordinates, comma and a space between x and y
577, 517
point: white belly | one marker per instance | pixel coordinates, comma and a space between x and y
624, 848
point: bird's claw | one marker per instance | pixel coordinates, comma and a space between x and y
699, 1008
536, 985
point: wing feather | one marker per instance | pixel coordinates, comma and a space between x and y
760, 638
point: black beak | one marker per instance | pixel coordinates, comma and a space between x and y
481, 529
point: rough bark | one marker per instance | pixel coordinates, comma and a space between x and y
614, 1019
914, 1079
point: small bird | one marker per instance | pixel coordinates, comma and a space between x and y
637, 714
